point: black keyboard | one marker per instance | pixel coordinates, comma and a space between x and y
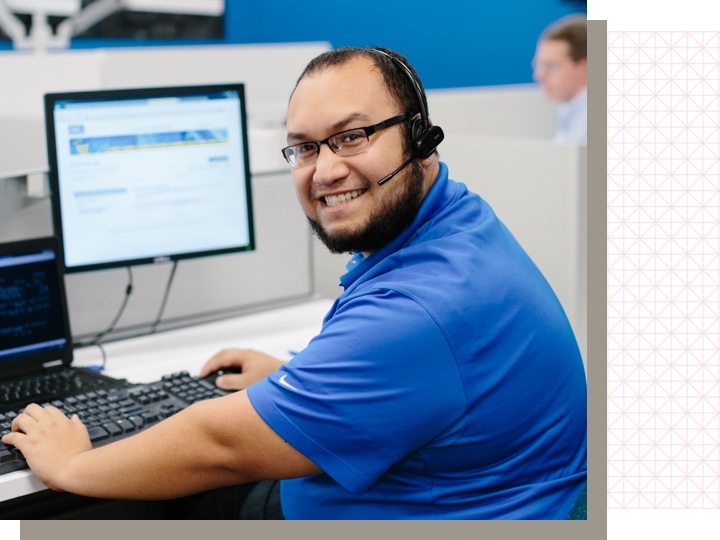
59, 384
114, 414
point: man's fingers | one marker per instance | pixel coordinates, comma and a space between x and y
23, 422
222, 359
33, 410
54, 412
232, 381
12, 438
33, 414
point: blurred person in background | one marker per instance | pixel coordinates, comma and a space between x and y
560, 66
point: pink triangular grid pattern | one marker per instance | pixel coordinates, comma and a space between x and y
663, 274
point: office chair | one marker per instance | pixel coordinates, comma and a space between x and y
579, 507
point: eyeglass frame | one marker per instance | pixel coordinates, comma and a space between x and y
368, 130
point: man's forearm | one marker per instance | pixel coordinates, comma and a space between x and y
213, 443
177, 457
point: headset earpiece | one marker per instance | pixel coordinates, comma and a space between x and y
428, 140
416, 129
425, 137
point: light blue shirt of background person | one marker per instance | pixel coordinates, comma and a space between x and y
572, 120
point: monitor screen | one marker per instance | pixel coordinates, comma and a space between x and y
140, 176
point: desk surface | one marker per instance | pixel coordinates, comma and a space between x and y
145, 359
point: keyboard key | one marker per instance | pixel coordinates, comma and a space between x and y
11, 466
6, 455
150, 416
126, 425
97, 433
113, 429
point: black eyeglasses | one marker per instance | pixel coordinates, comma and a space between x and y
345, 143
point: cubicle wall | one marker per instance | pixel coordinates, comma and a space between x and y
279, 271
520, 110
269, 72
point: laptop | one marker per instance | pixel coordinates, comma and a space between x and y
36, 347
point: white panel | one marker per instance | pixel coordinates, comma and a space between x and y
51, 7
22, 145
268, 71
515, 110
26, 76
189, 7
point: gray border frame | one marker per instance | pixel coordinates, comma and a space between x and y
596, 525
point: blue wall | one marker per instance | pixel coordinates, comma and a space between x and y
452, 43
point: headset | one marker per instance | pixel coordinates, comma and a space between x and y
425, 137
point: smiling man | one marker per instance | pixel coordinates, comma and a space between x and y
350, 212
445, 383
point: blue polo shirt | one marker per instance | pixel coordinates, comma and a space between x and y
446, 382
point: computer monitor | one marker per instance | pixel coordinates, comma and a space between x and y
148, 175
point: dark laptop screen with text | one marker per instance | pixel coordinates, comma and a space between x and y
31, 308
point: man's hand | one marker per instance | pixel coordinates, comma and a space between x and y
49, 440
255, 366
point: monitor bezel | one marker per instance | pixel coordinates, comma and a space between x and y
50, 99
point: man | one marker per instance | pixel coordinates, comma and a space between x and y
445, 382
560, 66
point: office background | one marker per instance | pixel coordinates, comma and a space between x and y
452, 44
498, 141
475, 61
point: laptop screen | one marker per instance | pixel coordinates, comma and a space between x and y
34, 325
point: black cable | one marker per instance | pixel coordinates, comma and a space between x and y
98, 337
104, 356
154, 325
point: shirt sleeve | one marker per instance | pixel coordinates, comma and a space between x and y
379, 382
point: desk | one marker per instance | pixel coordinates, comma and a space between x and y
147, 358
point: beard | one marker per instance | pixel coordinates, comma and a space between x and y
384, 224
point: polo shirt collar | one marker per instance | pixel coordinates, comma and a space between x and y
434, 200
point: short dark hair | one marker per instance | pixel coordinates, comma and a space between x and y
396, 80
573, 30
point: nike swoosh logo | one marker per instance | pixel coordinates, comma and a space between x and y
285, 383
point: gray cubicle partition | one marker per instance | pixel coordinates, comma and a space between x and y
278, 272
520, 110
268, 71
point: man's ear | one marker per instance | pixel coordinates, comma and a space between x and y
432, 159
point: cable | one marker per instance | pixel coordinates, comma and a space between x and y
98, 337
99, 367
153, 327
